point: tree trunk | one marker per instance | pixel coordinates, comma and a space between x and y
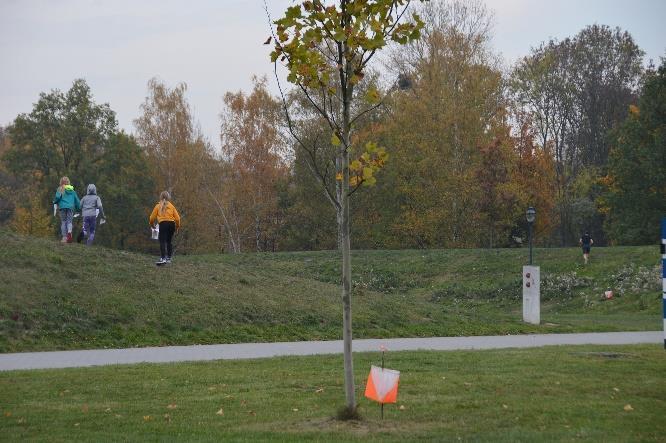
344, 233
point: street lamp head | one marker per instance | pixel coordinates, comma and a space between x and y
531, 214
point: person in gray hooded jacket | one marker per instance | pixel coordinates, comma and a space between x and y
91, 206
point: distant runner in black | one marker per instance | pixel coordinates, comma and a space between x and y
586, 242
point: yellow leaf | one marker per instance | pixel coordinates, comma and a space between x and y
338, 176
367, 173
372, 96
335, 141
355, 165
147, 418
353, 181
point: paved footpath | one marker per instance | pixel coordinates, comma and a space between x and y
69, 359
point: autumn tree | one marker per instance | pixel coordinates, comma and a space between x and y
177, 155
534, 176
499, 194
165, 129
327, 50
253, 148
452, 105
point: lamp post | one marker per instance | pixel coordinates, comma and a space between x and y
531, 216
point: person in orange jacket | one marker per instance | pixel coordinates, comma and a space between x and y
167, 216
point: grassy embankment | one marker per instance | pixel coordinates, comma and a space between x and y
591, 393
57, 296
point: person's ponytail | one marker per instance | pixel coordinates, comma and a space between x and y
164, 197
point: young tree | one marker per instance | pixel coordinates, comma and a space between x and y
327, 49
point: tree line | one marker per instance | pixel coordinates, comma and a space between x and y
460, 144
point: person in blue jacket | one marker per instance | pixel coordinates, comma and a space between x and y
68, 202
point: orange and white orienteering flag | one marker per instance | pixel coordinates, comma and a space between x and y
382, 385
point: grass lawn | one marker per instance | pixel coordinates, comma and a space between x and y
58, 296
586, 393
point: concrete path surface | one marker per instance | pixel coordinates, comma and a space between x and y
68, 359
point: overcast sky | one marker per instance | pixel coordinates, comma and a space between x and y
215, 46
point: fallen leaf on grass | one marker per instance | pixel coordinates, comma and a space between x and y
212, 388
77, 424
319, 391
505, 406
616, 390
107, 410
252, 413
220, 412
467, 384
147, 418
402, 407
295, 409
167, 417
85, 408
628, 408
8, 414
172, 406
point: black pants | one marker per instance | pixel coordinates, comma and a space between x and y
167, 229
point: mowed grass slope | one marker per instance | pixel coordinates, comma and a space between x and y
56, 296
591, 393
